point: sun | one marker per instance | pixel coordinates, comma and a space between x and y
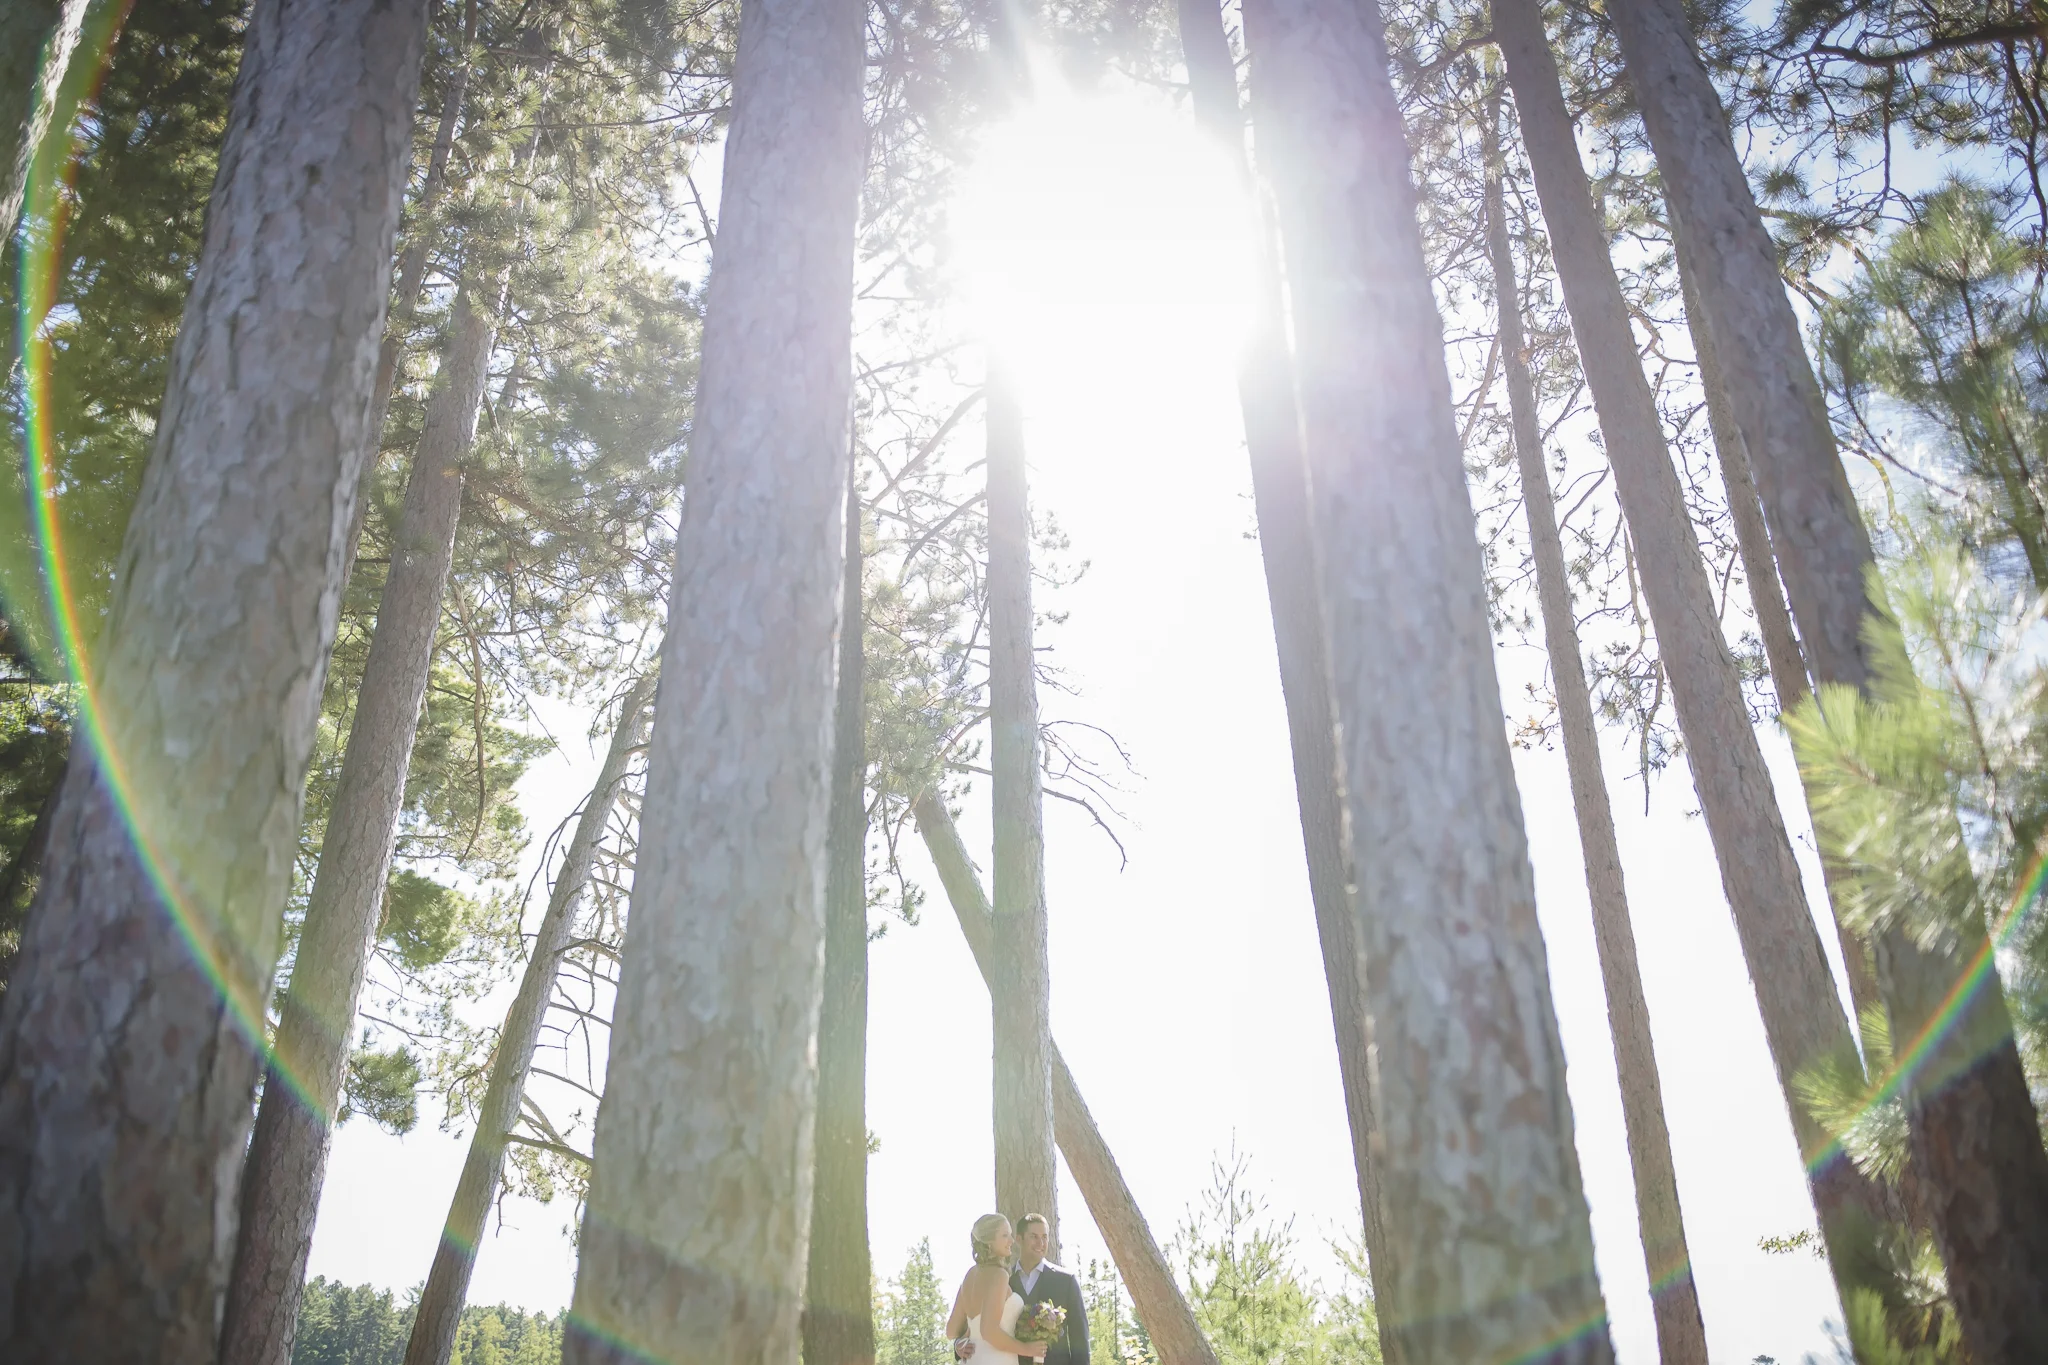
1108, 249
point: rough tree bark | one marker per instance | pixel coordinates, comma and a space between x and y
1489, 1249
839, 1314
440, 1308
1021, 990
1272, 430
695, 1236
1681, 1335
1155, 1294
294, 1125
1795, 990
37, 38
1978, 1163
127, 1056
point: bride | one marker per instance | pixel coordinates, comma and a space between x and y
985, 1296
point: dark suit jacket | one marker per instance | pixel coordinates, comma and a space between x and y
1059, 1286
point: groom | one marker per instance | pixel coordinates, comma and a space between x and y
1037, 1280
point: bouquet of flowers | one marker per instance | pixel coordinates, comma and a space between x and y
1040, 1322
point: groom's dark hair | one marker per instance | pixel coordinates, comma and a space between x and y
1028, 1219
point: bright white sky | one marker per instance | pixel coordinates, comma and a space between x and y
1187, 987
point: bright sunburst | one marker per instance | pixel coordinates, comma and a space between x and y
1108, 252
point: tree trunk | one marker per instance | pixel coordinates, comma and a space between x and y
440, 1309
695, 1237
1803, 1019
288, 1155
1488, 1244
1681, 1335
412, 274
1021, 987
1265, 385
1155, 1295
1752, 537
1766, 594
1020, 992
37, 38
127, 1042
839, 1313
1966, 1096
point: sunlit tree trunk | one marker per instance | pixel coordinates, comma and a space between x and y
695, 1235
447, 1290
1978, 1163
1265, 385
839, 1315
1782, 654
127, 1063
1021, 989
1488, 1246
1155, 1295
37, 38
288, 1155
1681, 1335
1803, 1018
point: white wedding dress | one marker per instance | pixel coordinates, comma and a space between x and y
985, 1354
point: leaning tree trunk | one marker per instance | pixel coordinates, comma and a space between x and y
1674, 1299
1021, 990
37, 38
1489, 1248
699, 1213
1155, 1295
288, 1155
839, 1292
1803, 1018
128, 1038
1978, 1162
412, 274
1265, 386
1782, 654
441, 1302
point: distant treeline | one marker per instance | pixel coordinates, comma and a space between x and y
357, 1325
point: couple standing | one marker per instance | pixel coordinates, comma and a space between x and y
992, 1296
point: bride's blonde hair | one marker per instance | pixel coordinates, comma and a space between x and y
985, 1229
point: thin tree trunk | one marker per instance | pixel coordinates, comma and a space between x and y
1977, 1154
1489, 1249
127, 1041
695, 1237
839, 1294
1681, 1335
1795, 991
1021, 991
1766, 594
1155, 1295
288, 1155
37, 38
1021, 988
412, 274
441, 1303
1752, 536
1265, 385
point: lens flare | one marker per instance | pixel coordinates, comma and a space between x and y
38, 578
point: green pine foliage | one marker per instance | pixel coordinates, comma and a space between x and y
1115, 1336
1251, 1297
344, 1325
910, 1314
